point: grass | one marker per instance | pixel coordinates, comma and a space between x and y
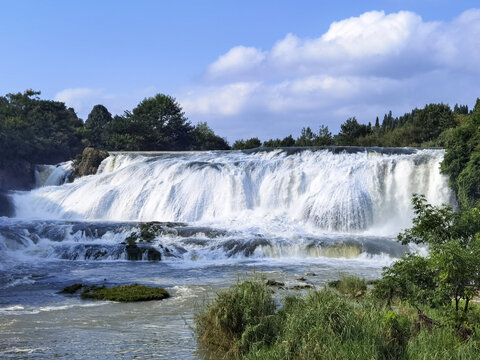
237, 321
244, 323
124, 293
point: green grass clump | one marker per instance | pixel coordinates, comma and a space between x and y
350, 285
443, 343
125, 293
237, 321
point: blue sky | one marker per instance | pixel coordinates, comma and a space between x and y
248, 68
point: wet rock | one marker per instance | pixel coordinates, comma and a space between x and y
125, 293
301, 287
6, 206
88, 162
72, 289
19, 175
153, 255
274, 283
133, 252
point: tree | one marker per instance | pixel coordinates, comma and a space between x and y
163, 122
306, 138
431, 121
451, 271
95, 125
324, 137
461, 162
246, 144
37, 131
204, 138
157, 123
351, 131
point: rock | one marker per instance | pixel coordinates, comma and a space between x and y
133, 252
301, 287
274, 283
6, 206
72, 289
19, 175
359, 293
125, 293
302, 279
153, 255
88, 162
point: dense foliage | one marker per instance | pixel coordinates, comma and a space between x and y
451, 271
462, 157
242, 323
44, 131
157, 123
420, 127
40, 131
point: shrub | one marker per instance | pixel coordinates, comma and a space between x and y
238, 320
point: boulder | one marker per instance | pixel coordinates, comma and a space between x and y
88, 162
6, 206
19, 175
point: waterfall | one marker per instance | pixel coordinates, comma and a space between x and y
328, 190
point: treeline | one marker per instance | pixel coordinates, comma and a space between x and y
46, 131
157, 123
420, 127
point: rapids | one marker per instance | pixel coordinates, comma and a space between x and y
289, 214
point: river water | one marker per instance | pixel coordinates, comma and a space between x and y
223, 216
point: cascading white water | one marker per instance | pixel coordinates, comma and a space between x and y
52, 175
342, 192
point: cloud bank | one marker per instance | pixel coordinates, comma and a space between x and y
361, 66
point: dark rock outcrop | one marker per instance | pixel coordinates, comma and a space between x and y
88, 162
19, 175
133, 252
6, 207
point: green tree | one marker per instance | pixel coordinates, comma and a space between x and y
95, 125
306, 138
247, 144
451, 271
204, 138
351, 131
38, 131
324, 137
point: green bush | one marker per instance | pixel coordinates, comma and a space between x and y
238, 320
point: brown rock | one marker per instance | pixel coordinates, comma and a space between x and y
88, 163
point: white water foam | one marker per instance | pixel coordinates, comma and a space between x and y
331, 192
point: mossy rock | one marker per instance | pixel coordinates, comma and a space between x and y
125, 293
72, 289
88, 162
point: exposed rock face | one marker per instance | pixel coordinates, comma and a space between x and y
6, 207
17, 176
88, 163
135, 253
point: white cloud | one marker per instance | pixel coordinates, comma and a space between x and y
365, 65
224, 100
237, 60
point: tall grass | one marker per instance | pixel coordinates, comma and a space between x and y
243, 323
